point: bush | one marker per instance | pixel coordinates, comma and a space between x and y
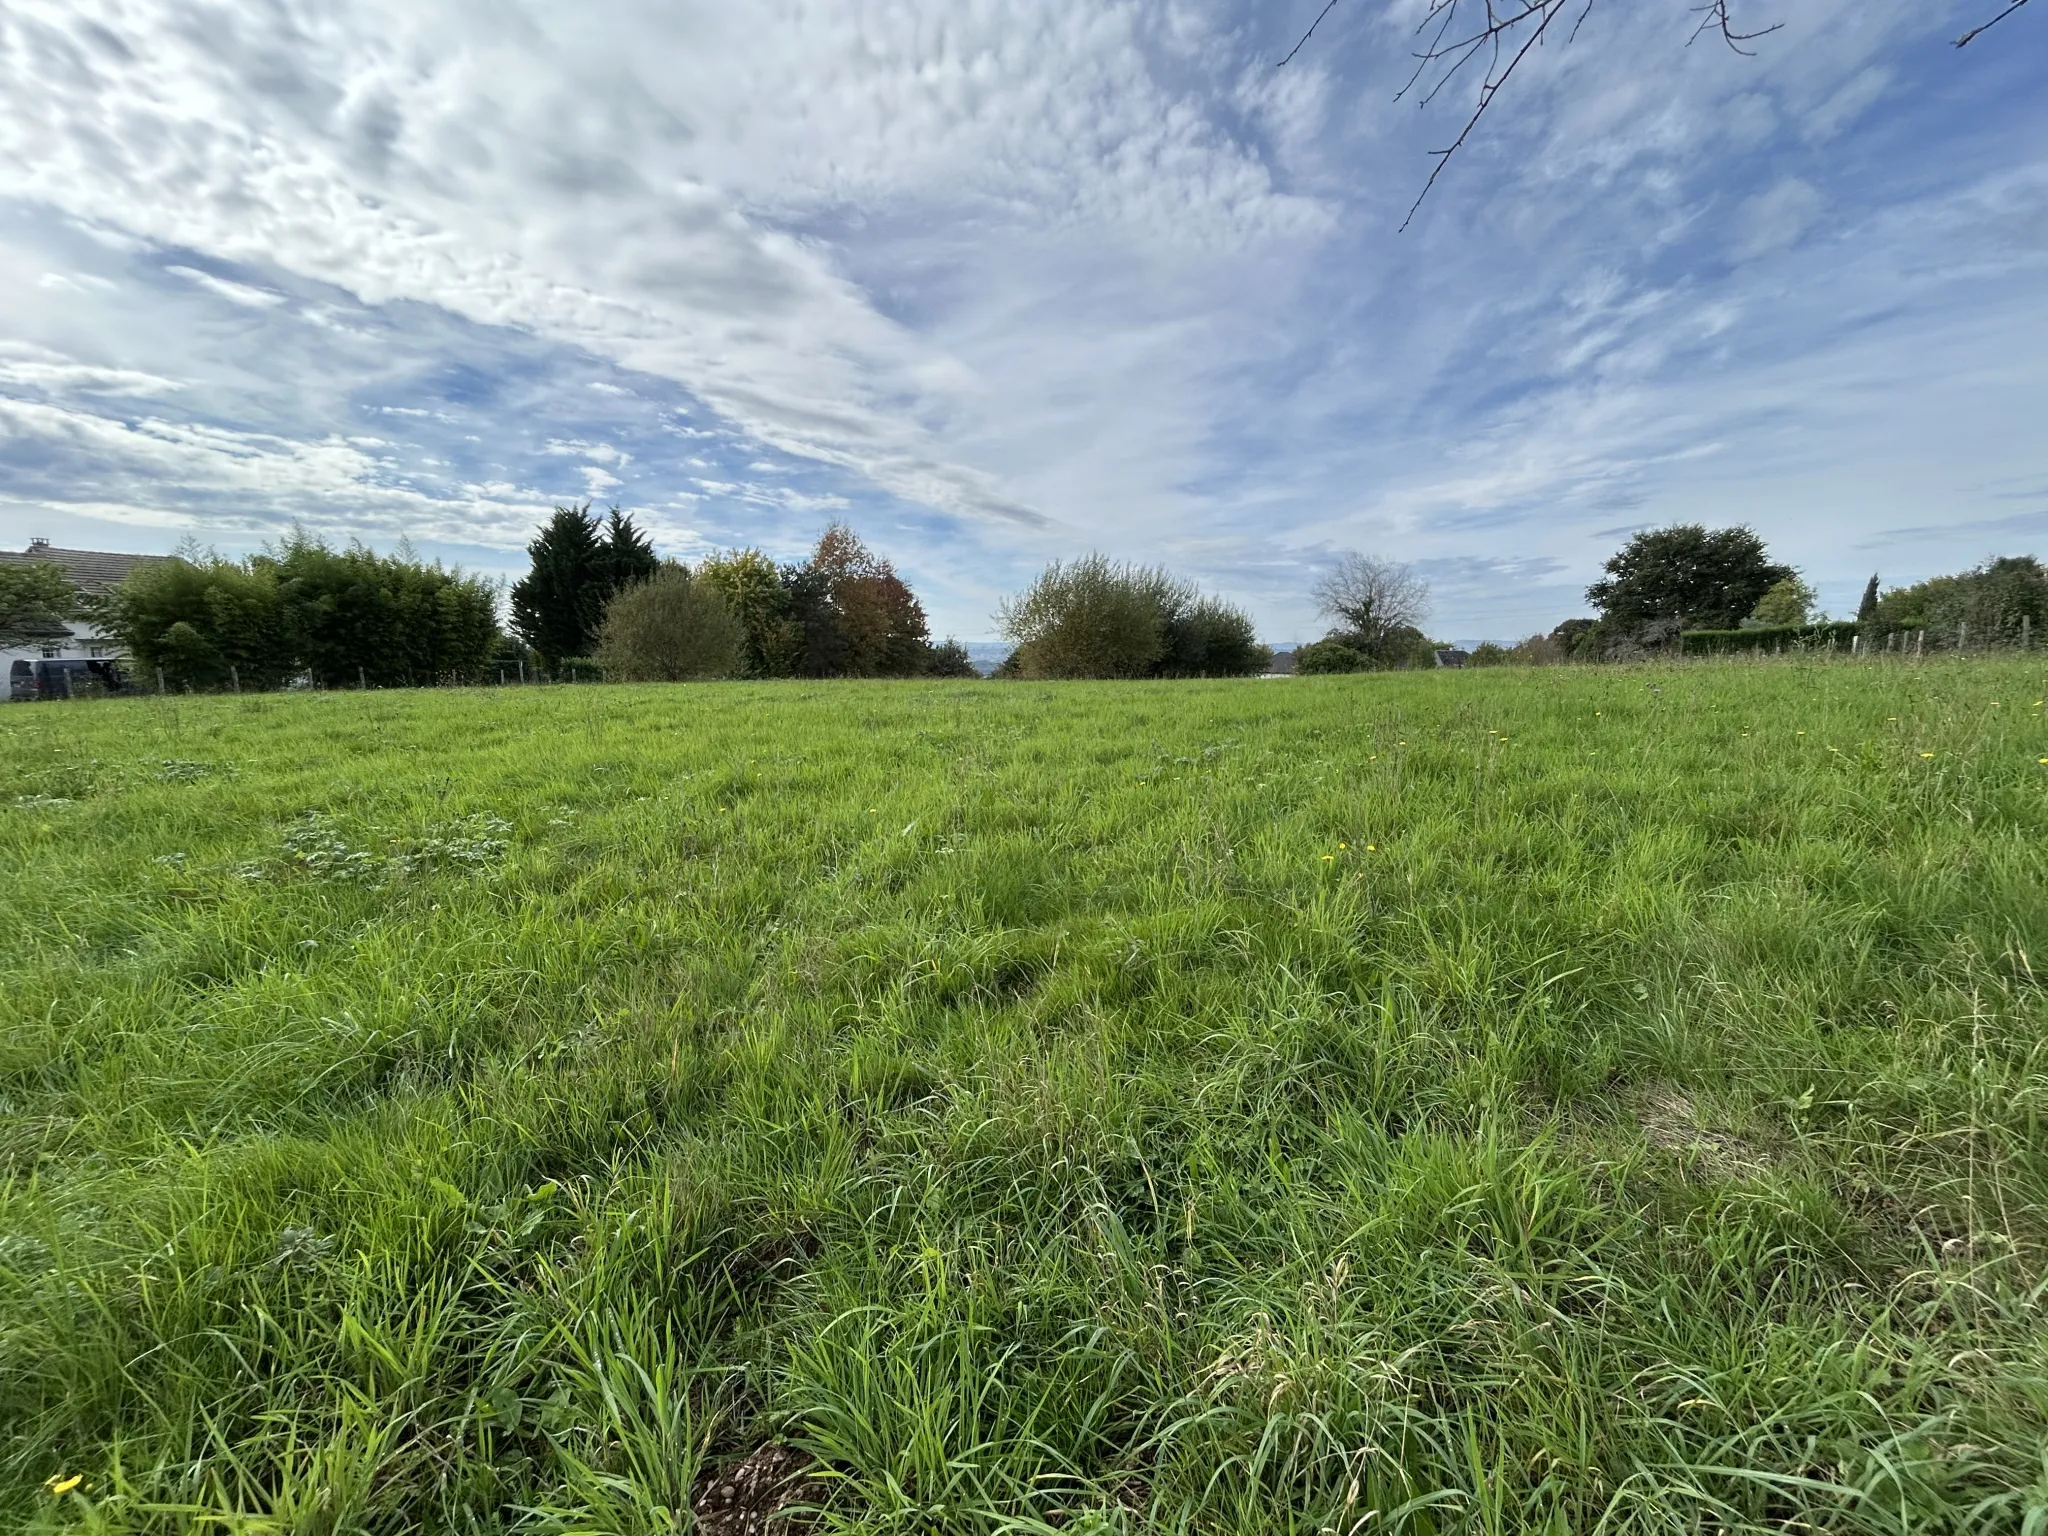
1487, 654
1209, 638
1093, 618
1089, 618
671, 629
950, 659
1789, 637
1325, 656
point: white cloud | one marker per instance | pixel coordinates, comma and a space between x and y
1772, 220
235, 293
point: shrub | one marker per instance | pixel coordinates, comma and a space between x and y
1789, 637
1330, 656
1093, 618
950, 659
1210, 638
1088, 618
670, 629
1487, 654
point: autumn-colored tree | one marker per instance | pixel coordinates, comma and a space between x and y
882, 624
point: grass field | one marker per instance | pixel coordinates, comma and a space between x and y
1545, 1101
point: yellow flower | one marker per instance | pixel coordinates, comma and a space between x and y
59, 1486
1927, 754
2045, 759
1343, 845
1375, 847
1328, 857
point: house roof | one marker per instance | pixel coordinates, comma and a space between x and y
92, 571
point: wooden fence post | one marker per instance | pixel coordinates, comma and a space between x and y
2026, 631
362, 681
235, 677
159, 681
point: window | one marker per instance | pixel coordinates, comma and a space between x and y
52, 652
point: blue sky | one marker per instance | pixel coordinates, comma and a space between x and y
1001, 281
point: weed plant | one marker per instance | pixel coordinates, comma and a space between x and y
1543, 1101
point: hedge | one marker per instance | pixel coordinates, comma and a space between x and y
1789, 637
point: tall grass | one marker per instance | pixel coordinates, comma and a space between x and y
1500, 1102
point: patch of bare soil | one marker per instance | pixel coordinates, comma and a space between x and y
1670, 1122
749, 1499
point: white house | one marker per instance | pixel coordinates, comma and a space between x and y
77, 641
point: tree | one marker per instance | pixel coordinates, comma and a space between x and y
882, 624
341, 616
1789, 601
1995, 604
1672, 579
752, 589
669, 629
558, 604
36, 597
626, 556
1866, 611
1379, 606
353, 615
204, 620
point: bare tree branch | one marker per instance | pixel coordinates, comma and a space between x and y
1981, 27
1500, 34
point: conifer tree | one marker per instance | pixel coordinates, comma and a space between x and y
558, 605
629, 557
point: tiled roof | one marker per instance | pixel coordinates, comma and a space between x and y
90, 570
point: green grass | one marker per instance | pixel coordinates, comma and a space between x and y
1556, 1101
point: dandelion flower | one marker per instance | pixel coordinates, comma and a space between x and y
60, 1485
1927, 754
1375, 847
1343, 845
1328, 857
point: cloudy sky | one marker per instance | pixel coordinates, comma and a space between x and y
1006, 280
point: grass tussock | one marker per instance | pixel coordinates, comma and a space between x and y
1558, 1101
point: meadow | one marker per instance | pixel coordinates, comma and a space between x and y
1516, 1101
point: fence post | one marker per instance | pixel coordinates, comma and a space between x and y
2026, 631
1855, 644
235, 677
362, 681
1920, 645
159, 681
522, 669
1962, 637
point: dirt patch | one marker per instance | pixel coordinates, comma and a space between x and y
748, 1499
1669, 1121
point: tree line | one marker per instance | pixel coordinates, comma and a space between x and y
1690, 590
598, 595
